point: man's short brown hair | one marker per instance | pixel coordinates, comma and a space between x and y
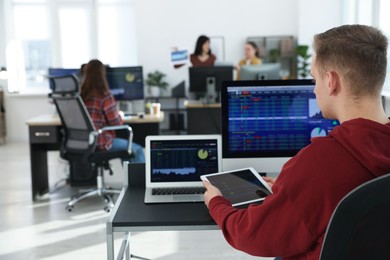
358, 52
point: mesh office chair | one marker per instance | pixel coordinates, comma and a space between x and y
64, 85
360, 225
79, 142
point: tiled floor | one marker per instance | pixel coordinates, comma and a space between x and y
44, 230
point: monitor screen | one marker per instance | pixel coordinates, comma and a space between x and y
182, 160
266, 71
208, 80
126, 83
57, 72
273, 118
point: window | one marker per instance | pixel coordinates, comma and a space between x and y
30, 45
369, 12
384, 24
59, 33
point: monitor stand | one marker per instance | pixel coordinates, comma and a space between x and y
124, 106
211, 96
262, 76
132, 107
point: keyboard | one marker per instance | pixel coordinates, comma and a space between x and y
129, 114
178, 191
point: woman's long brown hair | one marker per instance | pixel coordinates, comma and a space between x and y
95, 82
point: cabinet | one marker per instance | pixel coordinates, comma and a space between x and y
204, 118
175, 114
2, 118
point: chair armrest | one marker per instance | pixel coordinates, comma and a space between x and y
120, 127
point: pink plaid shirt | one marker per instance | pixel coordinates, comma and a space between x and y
103, 112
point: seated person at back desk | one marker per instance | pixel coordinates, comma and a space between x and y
202, 55
103, 110
291, 222
251, 57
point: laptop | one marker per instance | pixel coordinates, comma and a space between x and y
174, 164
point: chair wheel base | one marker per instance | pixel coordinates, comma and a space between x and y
106, 194
69, 208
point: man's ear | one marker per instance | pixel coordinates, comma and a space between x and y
334, 82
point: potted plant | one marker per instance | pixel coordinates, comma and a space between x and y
274, 56
155, 81
303, 57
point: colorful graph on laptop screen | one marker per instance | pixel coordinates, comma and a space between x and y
182, 160
274, 120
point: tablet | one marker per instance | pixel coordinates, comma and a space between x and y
241, 186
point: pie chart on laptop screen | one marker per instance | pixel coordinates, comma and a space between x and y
203, 154
318, 131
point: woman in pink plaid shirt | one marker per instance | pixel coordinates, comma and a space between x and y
103, 110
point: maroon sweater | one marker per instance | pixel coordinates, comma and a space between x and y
292, 221
198, 63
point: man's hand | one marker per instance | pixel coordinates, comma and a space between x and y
211, 192
269, 180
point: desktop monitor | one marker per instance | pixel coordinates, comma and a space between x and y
126, 83
266, 71
207, 81
264, 123
58, 72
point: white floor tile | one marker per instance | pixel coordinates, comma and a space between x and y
44, 230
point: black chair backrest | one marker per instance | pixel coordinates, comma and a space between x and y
78, 128
61, 85
360, 225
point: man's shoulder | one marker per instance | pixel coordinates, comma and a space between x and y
315, 157
321, 143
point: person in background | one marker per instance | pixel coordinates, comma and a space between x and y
202, 55
103, 110
349, 69
252, 57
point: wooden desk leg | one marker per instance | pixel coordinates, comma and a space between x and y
39, 171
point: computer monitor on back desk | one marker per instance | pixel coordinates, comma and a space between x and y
266, 71
206, 81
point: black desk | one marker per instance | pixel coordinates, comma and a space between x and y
45, 135
132, 214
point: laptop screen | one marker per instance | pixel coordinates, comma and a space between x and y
182, 160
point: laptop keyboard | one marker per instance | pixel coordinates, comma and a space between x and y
178, 191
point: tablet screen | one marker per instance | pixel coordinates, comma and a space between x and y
240, 186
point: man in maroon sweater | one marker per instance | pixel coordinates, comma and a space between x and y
349, 68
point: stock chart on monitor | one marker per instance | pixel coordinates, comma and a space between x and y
272, 120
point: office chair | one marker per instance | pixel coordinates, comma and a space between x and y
360, 225
64, 85
79, 142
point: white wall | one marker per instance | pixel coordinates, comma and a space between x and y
164, 24
169, 23
316, 17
